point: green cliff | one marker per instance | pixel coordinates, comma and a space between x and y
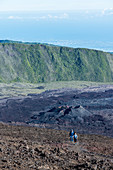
21, 62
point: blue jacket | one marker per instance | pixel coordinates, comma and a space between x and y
71, 133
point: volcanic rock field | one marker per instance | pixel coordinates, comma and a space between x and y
34, 129
88, 110
43, 149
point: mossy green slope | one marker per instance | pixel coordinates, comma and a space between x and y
43, 63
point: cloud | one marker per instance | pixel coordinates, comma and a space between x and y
63, 16
87, 12
107, 11
15, 17
43, 17
52, 17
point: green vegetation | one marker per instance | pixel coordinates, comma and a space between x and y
23, 89
41, 63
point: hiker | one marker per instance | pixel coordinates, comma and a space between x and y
75, 138
71, 134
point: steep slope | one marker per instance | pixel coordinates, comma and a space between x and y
43, 63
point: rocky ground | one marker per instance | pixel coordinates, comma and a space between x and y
42, 140
89, 110
41, 149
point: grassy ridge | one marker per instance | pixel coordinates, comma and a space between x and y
37, 63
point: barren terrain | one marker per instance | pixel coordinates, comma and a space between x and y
89, 110
41, 149
34, 129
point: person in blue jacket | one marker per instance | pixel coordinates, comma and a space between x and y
75, 137
71, 135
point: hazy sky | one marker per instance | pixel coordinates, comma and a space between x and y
76, 23
34, 5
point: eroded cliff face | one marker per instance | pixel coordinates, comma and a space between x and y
44, 63
39, 148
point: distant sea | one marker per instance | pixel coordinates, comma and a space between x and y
77, 29
97, 45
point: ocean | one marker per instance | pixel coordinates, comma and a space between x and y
77, 29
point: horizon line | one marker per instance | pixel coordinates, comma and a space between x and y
38, 42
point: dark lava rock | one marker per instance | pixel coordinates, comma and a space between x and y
40, 148
34, 117
89, 110
40, 87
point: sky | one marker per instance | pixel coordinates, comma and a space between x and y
34, 5
74, 23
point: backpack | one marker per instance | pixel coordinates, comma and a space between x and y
71, 133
